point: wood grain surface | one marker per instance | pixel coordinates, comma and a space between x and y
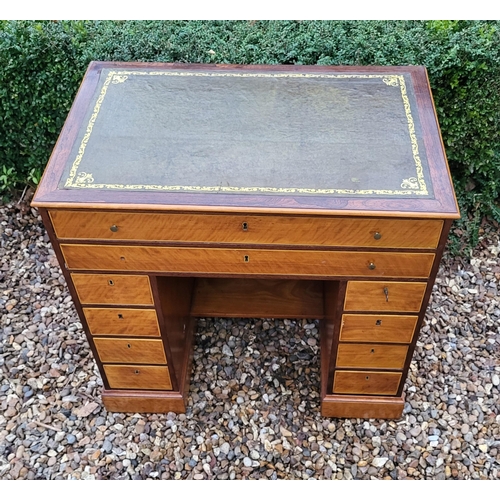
173, 297
356, 382
132, 401
377, 328
247, 261
138, 377
249, 229
371, 296
334, 405
382, 356
249, 298
112, 289
130, 350
122, 321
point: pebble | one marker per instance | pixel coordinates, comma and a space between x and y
226, 350
107, 446
415, 431
254, 405
379, 461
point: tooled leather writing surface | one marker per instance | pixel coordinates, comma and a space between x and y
266, 133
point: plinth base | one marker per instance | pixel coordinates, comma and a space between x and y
143, 401
362, 406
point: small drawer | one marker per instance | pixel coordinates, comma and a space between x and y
247, 261
113, 289
128, 322
131, 351
384, 296
377, 328
244, 229
138, 377
383, 356
374, 383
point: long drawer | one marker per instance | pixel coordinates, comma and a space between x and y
122, 321
243, 229
375, 383
247, 261
113, 289
138, 377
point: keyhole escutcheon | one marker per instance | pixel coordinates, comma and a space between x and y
244, 226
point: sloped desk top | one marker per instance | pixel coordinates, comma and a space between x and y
276, 139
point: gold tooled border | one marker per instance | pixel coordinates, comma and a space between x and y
412, 186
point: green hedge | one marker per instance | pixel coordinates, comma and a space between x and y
40, 70
42, 63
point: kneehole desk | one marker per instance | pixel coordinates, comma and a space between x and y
183, 191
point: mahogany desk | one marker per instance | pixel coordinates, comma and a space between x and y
183, 191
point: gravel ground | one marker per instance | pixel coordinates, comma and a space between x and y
254, 402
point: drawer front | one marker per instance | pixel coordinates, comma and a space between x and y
383, 356
138, 377
374, 383
256, 229
384, 296
131, 351
248, 261
115, 321
377, 328
113, 289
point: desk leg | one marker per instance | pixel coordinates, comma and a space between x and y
172, 297
341, 405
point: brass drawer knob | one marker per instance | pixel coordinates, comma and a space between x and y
114, 228
371, 266
386, 293
377, 235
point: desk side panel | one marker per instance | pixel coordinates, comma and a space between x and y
72, 290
